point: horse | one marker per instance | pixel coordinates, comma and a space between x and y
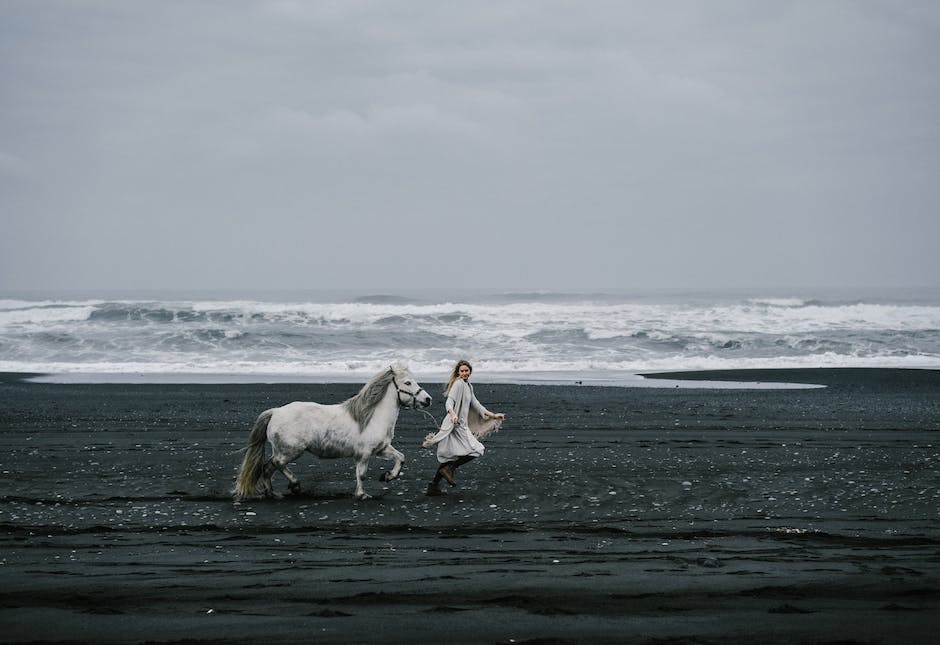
359, 427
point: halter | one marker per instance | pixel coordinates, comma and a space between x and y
414, 397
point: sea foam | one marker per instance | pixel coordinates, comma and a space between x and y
513, 336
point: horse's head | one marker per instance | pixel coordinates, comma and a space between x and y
410, 392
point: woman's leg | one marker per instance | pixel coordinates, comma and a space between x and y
460, 461
434, 488
447, 471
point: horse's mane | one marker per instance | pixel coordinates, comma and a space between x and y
362, 406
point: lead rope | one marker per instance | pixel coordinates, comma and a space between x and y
431, 417
437, 426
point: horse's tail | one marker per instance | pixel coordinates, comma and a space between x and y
253, 463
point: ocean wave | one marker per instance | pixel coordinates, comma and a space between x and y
44, 314
599, 319
515, 334
778, 302
488, 370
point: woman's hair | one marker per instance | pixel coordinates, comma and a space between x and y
455, 374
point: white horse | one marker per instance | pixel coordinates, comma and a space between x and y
359, 427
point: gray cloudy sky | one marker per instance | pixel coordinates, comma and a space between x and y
526, 144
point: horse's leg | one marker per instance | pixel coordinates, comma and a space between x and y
391, 453
292, 480
361, 467
266, 473
279, 461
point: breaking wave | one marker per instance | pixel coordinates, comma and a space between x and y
509, 334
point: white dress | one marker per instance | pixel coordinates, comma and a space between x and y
458, 440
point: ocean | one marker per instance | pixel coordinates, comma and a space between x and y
591, 337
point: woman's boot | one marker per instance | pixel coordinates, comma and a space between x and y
447, 472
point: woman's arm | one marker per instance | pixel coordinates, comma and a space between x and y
451, 406
458, 392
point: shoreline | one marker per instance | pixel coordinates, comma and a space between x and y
746, 378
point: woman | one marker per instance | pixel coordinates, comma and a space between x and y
466, 421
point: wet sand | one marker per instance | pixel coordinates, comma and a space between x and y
598, 514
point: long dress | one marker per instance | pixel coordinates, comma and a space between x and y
460, 439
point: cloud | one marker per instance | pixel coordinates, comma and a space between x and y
574, 147
13, 166
374, 125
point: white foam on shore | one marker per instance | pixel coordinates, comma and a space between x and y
513, 336
547, 378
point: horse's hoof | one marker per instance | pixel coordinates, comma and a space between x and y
295, 489
387, 476
363, 496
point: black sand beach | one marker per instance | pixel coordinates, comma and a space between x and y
599, 514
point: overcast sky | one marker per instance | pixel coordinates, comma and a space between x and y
545, 145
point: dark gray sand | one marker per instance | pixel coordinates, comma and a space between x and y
631, 515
